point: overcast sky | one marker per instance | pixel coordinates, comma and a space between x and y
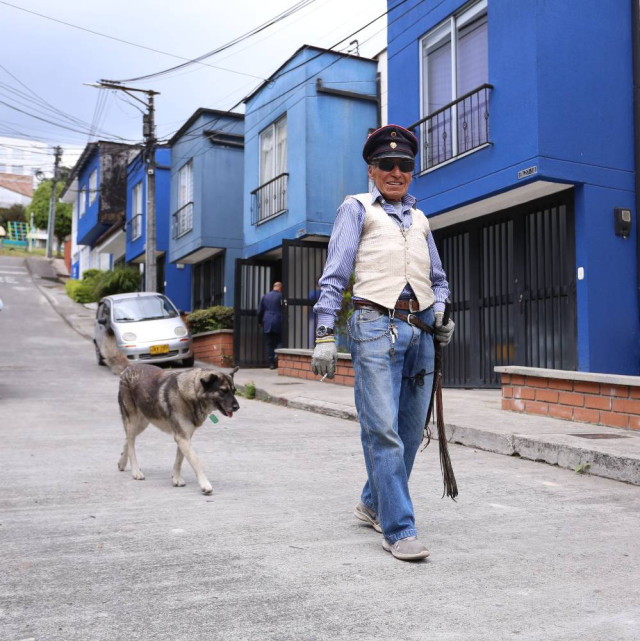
53, 60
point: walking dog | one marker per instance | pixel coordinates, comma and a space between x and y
175, 401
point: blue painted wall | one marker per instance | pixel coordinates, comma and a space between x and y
177, 279
89, 229
217, 190
325, 135
562, 101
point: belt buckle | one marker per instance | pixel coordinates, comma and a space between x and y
411, 310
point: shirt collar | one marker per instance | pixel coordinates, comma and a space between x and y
408, 201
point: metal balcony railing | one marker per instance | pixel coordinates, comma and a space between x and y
183, 220
455, 129
269, 200
134, 228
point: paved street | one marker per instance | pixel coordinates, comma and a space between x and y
529, 551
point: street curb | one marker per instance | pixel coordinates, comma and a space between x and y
571, 457
53, 301
68, 320
581, 460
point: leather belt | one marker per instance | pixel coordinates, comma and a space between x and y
405, 304
408, 304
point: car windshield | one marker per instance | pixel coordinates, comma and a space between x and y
143, 308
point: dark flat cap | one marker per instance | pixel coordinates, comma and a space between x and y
390, 141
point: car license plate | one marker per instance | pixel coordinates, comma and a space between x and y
154, 350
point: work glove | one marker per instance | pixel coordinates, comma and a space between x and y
325, 357
443, 333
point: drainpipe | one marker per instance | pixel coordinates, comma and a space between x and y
379, 96
635, 39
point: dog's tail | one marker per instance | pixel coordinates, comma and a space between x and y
114, 358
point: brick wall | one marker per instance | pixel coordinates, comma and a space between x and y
214, 347
298, 365
598, 402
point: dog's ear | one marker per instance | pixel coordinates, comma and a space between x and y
210, 381
235, 369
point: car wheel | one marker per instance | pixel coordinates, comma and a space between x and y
99, 355
188, 362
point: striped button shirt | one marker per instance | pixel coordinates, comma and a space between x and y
343, 247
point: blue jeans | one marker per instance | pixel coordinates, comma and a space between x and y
392, 405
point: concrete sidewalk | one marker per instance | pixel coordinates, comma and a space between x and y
473, 417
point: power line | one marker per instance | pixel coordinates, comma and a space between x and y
133, 44
197, 131
330, 50
285, 14
41, 100
21, 99
50, 122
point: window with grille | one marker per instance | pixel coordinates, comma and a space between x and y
183, 218
455, 75
136, 212
270, 198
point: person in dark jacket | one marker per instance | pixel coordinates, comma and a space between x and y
270, 318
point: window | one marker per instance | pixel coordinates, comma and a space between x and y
271, 196
136, 213
82, 204
93, 186
273, 150
455, 74
183, 218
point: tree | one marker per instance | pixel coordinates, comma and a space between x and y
15, 212
40, 207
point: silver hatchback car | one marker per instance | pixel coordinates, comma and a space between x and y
147, 326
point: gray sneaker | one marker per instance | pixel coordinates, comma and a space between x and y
368, 516
409, 549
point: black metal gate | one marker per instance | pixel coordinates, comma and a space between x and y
303, 262
253, 279
511, 276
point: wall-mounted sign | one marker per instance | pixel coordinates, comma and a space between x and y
529, 171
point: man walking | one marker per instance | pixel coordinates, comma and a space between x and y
270, 318
399, 298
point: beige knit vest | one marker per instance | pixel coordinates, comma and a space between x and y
389, 257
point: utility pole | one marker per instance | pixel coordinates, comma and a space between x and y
149, 159
150, 265
53, 202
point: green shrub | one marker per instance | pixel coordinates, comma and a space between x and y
210, 319
117, 281
96, 283
73, 288
81, 291
91, 274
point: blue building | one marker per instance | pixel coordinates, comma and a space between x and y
525, 116
96, 189
304, 128
206, 203
173, 279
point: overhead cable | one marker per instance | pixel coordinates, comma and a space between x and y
127, 42
285, 14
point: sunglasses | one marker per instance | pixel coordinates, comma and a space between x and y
404, 164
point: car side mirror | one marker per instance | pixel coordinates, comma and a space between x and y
102, 321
